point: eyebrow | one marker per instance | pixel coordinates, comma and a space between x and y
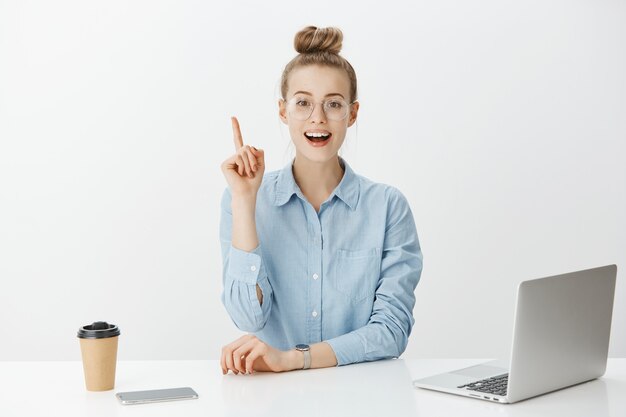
329, 94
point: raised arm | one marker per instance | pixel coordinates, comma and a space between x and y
243, 270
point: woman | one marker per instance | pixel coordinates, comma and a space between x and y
319, 264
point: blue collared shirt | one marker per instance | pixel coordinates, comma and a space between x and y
345, 275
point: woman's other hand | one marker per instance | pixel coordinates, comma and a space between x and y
249, 354
243, 170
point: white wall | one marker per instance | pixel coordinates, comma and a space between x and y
502, 122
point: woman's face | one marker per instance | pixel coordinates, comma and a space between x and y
314, 84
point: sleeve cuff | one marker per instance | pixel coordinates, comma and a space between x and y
245, 266
348, 348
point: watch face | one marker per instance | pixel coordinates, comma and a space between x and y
302, 347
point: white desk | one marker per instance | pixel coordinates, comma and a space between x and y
378, 389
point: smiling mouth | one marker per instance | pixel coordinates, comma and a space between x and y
318, 139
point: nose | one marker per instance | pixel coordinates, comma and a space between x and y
318, 114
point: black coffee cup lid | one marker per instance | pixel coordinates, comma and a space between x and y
98, 330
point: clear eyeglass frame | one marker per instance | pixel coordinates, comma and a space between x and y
290, 105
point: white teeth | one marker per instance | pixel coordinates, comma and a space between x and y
318, 135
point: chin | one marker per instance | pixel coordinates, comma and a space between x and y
320, 156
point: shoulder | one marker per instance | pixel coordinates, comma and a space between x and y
269, 180
372, 190
386, 201
267, 191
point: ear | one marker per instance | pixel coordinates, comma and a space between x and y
353, 113
282, 110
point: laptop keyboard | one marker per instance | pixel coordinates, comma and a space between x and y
494, 385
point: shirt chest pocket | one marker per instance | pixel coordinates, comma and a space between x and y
356, 273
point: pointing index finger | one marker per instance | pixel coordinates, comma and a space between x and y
236, 133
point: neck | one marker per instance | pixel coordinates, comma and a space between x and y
317, 179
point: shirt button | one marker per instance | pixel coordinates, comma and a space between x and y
315, 276
253, 268
314, 314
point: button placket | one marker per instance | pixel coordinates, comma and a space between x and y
314, 266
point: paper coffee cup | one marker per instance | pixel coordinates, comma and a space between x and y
98, 346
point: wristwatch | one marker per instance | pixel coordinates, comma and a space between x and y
306, 350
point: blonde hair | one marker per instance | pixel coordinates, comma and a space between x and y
319, 46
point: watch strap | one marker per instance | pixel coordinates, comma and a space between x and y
307, 359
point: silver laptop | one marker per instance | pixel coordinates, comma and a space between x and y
560, 338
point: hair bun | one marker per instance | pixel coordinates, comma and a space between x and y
312, 39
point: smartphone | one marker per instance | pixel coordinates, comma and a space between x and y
156, 395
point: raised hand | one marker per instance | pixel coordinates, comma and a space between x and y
243, 170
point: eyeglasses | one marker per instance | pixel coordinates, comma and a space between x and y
301, 108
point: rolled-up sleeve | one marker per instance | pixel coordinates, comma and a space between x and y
241, 272
386, 334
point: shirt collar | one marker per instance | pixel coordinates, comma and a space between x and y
347, 190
